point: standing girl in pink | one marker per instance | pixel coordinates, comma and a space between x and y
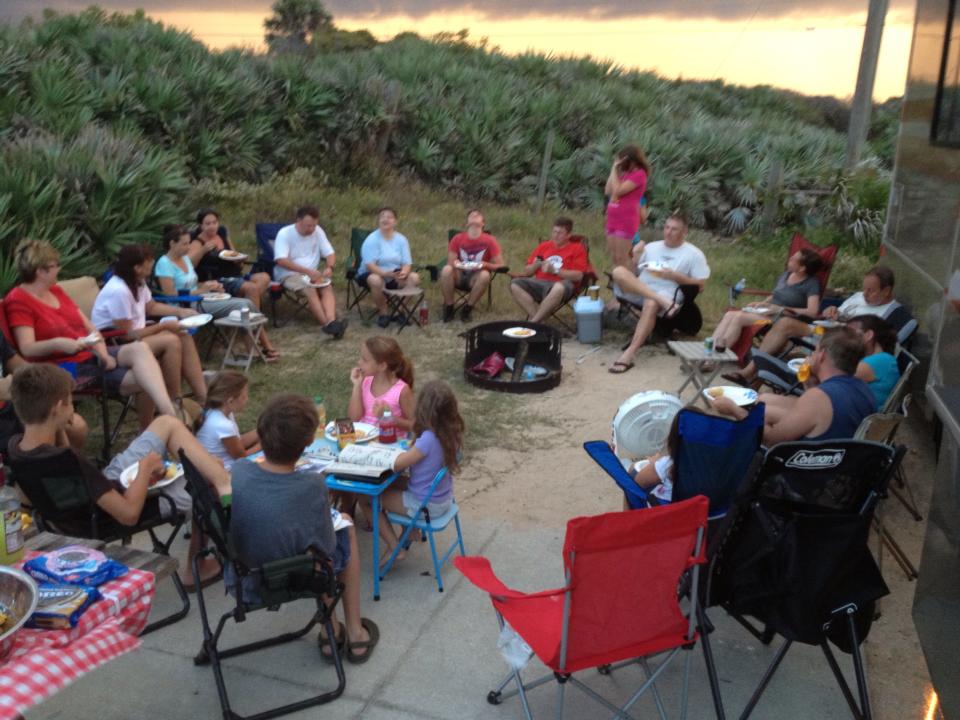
626, 184
382, 380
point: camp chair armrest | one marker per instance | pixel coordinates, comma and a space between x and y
177, 299
478, 571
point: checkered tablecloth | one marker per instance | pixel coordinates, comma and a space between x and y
45, 661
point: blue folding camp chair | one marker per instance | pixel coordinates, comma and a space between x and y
427, 525
266, 236
714, 456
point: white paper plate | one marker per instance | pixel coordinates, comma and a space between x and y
827, 323
740, 395
757, 310
469, 266
91, 339
195, 321
365, 431
216, 296
556, 261
520, 332
130, 474
321, 284
535, 369
796, 363
232, 256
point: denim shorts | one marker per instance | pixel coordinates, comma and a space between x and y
411, 504
341, 555
89, 371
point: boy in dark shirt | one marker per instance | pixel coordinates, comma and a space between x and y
42, 398
278, 511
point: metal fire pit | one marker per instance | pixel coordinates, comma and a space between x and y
542, 349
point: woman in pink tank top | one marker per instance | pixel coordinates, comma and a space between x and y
382, 380
625, 186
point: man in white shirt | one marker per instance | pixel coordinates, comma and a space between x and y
663, 267
297, 251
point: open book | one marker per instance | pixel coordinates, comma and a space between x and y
372, 461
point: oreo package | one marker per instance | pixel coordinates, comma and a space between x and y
74, 565
59, 607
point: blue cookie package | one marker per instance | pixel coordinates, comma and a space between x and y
74, 565
59, 607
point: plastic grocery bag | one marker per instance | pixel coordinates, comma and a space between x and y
513, 647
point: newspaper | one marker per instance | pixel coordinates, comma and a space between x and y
370, 461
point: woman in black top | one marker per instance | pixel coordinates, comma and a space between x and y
797, 292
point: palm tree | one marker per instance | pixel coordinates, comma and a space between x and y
293, 24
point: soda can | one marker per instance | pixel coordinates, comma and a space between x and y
708, 345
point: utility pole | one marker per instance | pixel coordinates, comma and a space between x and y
863, 96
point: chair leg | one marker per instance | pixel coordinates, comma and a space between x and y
842, 681
704, 629
436, 560
907, 499
175, 616
765, 680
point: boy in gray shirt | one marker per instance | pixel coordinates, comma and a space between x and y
278, 511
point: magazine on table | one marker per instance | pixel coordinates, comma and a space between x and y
365, 462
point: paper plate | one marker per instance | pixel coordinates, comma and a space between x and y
195, 321
130, 474
827, 323
535, 369
653, 266
232, 255
468, 265
520, 332
740, 395
796, 363
757, 310
365, 431
556, 261
321, 284
216, 296
91, 339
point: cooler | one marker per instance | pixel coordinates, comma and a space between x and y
589, 319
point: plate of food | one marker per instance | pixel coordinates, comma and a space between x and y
468, 265
322, 284
827, 324
91, 339
171, 473
653, 266
757, 309
216, 296
520, 332
195, 321
232, 255
740, 395
796, 363
365, 431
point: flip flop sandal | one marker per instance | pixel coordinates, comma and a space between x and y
619, 368
324, 642
368, 645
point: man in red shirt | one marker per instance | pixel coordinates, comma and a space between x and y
472, 256
553, 273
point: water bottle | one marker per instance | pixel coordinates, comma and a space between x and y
424, 312
388, 429
11, 524
322, 415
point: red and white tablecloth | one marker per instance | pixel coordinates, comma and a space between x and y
43, 662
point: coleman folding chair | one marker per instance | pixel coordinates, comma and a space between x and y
619, 601
305, 576
794, 553
57, 491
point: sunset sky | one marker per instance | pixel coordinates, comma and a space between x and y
812, 47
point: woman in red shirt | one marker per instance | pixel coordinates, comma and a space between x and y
48, 326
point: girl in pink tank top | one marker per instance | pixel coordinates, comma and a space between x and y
382, 380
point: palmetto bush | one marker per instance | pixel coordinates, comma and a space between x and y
458, 116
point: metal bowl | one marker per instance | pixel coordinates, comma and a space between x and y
18, 596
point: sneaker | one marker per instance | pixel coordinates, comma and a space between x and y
466, 312
447, 313
383, 321
331, 328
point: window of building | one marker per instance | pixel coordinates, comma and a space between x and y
946, 119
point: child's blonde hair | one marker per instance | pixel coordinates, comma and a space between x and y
437, 410
227, 384
386, 350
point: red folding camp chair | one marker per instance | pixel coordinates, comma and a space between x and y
620, 600
829, 256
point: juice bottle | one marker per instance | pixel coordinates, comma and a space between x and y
388, 428
11, 525
322, 415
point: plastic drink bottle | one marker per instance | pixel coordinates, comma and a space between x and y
388, 429
322, 415
424, 312
11, 524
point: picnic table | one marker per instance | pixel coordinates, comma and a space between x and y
43, 662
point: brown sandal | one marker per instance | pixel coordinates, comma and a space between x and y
374, 632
